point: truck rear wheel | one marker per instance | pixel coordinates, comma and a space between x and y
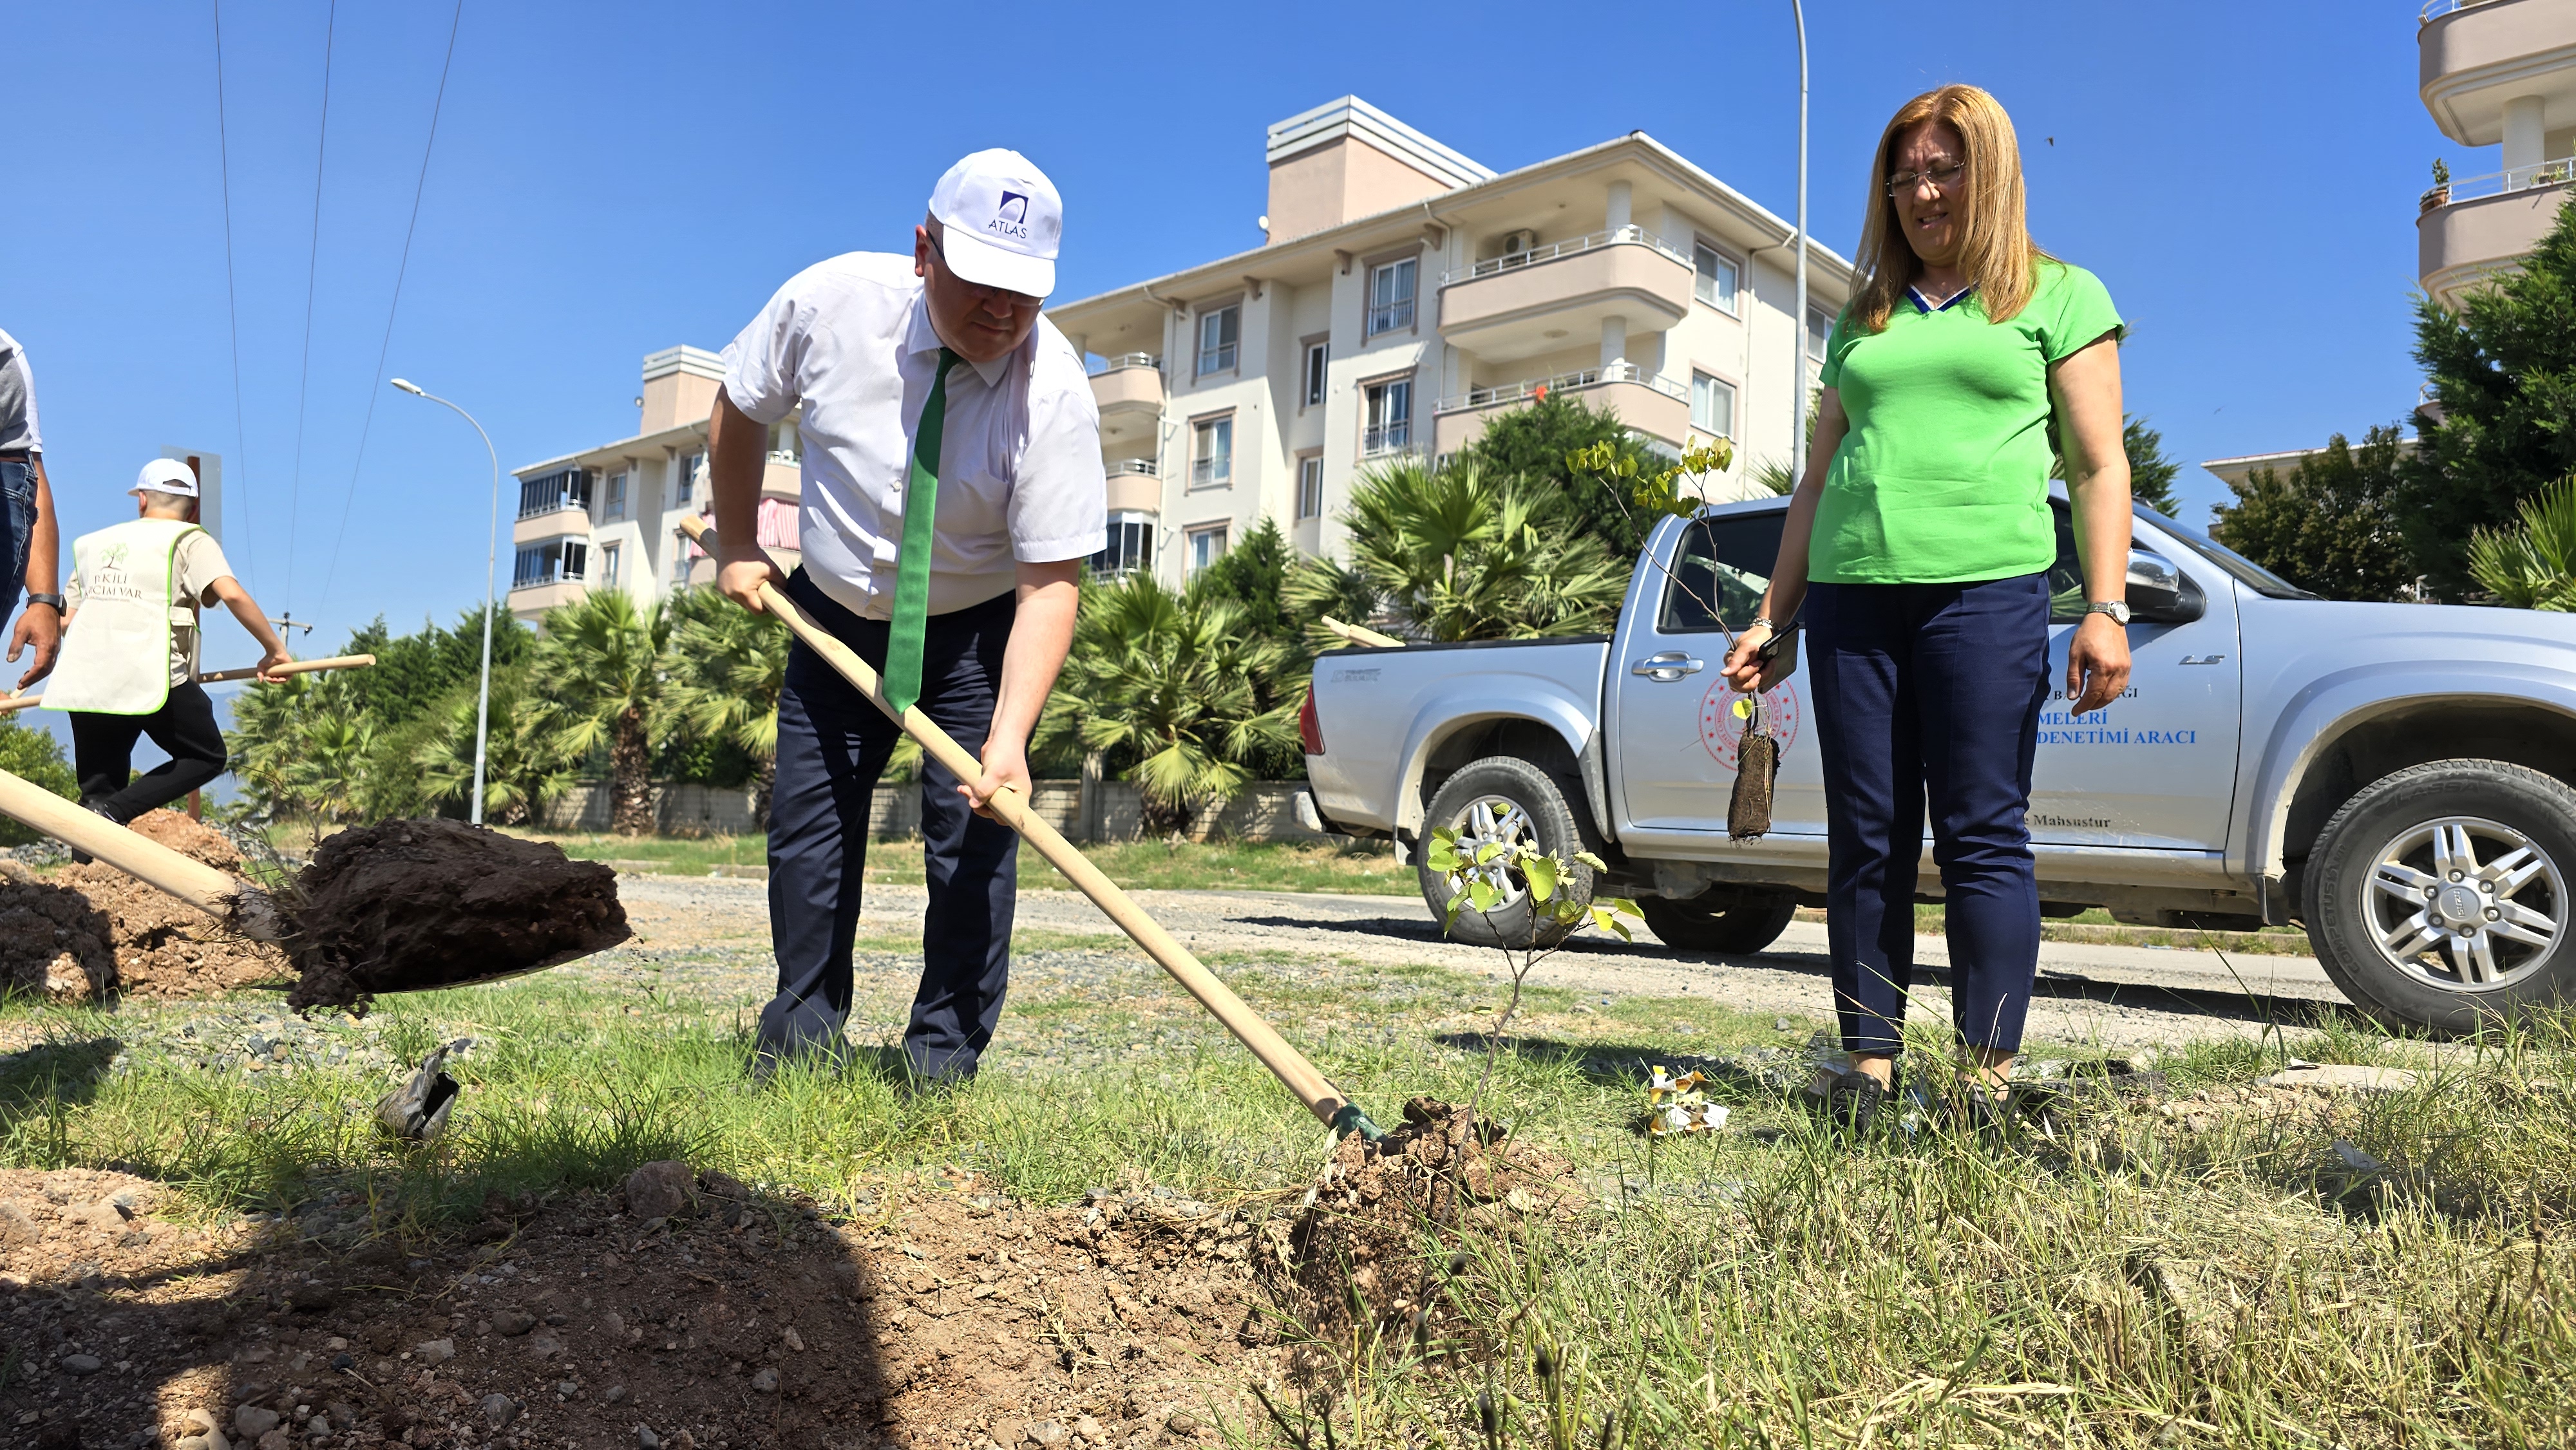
1504, 799
2438, 897
1724, 920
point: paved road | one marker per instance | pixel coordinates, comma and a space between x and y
2116, 997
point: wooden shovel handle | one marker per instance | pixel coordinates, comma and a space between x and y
225, 897
1012, 808
298, 667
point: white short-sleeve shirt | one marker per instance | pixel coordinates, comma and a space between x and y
1020, 476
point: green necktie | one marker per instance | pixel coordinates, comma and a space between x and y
912, 563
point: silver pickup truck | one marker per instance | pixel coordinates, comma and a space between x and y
2394, 777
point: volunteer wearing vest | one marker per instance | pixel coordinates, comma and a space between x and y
952, 487
129, 660
1924, 523
28, 548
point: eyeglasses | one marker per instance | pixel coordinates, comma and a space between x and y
1943, 179
982, 290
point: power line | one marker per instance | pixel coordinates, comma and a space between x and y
385, 347
232, 301
312, 267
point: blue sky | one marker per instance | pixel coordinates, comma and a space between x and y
609, 180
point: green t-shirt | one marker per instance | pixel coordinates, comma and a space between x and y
1943, 476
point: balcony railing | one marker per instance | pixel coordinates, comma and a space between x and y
565, 488
1390, 317
1143, 467
1387, 438
1127, 360
1627, 236
2435, 9
1211, 472
1504, 394
2519, 178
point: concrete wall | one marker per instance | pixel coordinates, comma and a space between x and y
1264, 811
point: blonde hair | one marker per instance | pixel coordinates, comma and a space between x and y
1996, 251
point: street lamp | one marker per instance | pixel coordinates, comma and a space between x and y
491, 561
1798, 324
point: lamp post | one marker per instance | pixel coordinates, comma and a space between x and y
1798, 324
491, 563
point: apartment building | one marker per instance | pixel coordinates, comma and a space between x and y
1404, 296
2498, 73
609, 517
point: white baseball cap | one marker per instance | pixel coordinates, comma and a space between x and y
166, 475
1001, 220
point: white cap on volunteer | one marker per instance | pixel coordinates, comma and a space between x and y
1000, 221
166, 475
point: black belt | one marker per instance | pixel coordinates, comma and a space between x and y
17, 455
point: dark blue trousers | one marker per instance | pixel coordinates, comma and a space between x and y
1930, 690
832, 746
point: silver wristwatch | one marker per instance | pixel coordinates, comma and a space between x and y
2118, 609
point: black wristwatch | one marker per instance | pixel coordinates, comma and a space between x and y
55, 600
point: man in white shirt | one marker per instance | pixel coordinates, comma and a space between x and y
28, 542
920, 375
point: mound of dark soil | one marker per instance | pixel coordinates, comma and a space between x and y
1368, 1241
86, 931
943, 1316
410, 905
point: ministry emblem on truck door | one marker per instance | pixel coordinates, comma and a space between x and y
1720, 727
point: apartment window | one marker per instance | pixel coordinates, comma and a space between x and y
1130, 547
1391, 290
556, 561
565, 488
1212, 453
1317, 356
1220, 333
1712, 405
684, 476
1206, 546
1717, 277
616, 506
608, 563
1310, 486
680, 562
1390, 418
1820, 327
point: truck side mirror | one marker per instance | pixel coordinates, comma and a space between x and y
2159, 593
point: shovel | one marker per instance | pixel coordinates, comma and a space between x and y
1011, 807
247, 672
227, 898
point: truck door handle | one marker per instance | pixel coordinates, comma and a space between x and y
1671, 665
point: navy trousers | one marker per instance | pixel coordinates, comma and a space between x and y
832, 746
1930, 690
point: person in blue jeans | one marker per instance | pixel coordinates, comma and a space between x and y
29, 544
1919, 543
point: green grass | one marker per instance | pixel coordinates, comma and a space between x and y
1365, 868
1905, 1293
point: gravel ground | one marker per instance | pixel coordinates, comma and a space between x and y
710, 936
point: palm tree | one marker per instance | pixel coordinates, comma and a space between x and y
1457, 554
1171, 685
2533, 566
522, 768
598, 678
727, 668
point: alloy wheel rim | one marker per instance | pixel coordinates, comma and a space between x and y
2465, 904
1503, 821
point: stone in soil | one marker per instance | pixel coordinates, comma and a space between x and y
411, 905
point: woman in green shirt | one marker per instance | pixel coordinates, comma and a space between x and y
1919, 543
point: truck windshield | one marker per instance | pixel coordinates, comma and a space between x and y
2243, 570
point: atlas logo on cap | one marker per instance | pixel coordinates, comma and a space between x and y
1001, 221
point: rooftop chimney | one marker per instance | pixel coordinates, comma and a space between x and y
1347, 159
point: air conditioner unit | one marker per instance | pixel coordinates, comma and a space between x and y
1515, 243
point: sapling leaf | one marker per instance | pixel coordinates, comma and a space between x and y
1486, 853
1482, 893
1541, 871
1588, 859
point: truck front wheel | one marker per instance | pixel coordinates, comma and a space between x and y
1724, 920
2438, 896
1507, 800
